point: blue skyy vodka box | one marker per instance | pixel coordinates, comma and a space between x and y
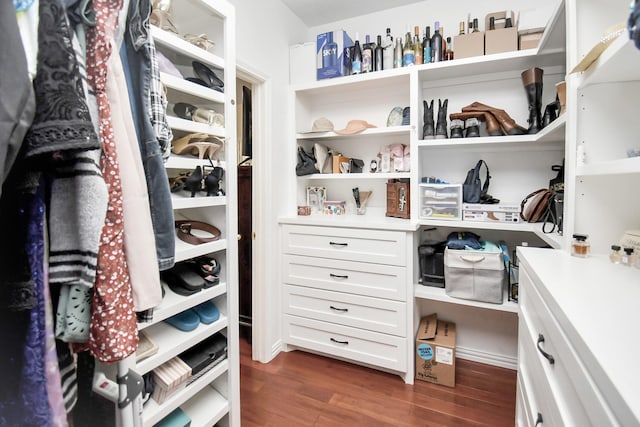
332, 54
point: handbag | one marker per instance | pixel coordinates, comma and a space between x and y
306, 162
355, 165
534, 206
473, 190
554, 213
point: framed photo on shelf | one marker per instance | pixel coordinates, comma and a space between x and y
316, 196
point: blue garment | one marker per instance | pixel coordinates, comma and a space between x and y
463, 239
24, 399
137, 67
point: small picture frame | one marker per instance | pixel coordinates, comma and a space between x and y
316, 196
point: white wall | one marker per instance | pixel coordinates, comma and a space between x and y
264, 31
532, 15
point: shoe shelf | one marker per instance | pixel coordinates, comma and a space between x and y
391, 131
356, 176
439, 294
182, 47
182, 200
193, 89
189, 162
173, 303
188, 126
551, 138
619, 62
186, 251
206, 408
217, 405
172, 341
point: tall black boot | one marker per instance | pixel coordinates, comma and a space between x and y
532, 81
428, 129
441, 125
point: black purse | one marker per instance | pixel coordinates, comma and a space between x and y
473, 190
306, 162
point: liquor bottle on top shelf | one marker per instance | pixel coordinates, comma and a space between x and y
444, 44
436, 43
367, 55
449, 52
426, 46
475, 25
329, 52
356, 61
387, 54
397, 53
378, 54
407, 54
461, 31
492, 23
417, 47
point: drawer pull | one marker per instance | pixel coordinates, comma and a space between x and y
338, 276
344, 310
338, 244
538, 420
339, 342
544, 353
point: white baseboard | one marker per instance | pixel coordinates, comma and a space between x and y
494, 359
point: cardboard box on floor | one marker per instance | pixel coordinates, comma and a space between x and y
436, 351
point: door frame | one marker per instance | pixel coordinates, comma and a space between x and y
260, 98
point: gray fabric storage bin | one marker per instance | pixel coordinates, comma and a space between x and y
474, 275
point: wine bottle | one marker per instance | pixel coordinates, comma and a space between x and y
461, 30
329, 52
449, 51
426, 46
492, 23
397, 53
378, 54
387, 54
436, 43
444, 44
508, 23
367, 55
408, 57
418, 52
356, 62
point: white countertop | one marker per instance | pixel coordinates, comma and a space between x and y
598, 306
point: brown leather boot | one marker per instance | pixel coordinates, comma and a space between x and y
493, 127
508, 125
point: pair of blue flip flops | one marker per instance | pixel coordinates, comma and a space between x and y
188, 320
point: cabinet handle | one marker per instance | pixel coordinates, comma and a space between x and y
344, 310
544, 353
538, 420
338, 276
338, 244
339, 342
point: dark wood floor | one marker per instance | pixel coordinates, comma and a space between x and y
303, 389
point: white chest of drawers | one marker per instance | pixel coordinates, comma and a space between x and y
345, 294
577, 352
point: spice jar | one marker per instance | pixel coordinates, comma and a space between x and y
580, 247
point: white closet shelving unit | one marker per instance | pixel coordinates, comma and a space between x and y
213, 399
518, 164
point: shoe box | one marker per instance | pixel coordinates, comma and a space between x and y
501, 212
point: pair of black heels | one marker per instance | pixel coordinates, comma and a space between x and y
199, 180
206, 77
